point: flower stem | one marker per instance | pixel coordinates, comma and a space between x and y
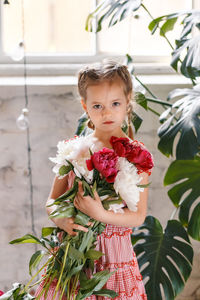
36, 275
63, 290
60, 277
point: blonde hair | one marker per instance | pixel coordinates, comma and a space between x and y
106, 71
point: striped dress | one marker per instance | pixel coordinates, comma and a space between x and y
115, 243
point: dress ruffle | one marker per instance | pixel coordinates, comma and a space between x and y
115, 243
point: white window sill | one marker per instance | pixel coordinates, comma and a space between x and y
150, 79
73, 68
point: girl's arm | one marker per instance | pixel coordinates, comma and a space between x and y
94, 209
58, 188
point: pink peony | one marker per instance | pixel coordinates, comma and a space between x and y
1, 293
105, 162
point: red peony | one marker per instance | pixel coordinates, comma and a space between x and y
1, 293
120, 145
105, 162
135, 152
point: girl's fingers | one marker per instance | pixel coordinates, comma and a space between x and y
80, 186
79, 227
96, 196
90, 223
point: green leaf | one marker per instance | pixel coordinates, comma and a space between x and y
185, 121
93, 254
87, 189
141, 100
190, 64
186, 47
82, 122
187, 172
69, 193
96, 282
136, 121
74, 271
114, 11
106, 293
28, 238
35, 260
168, 26
82, 278
47, 231
165, 257
64, 170
16, 293
75, 254
63, 212
194, 224
81, 218
86, 240
153, 25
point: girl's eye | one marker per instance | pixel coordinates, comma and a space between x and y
97, 106
116, 103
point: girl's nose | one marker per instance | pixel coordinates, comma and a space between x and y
106, 111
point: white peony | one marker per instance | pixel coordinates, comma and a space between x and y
75, 150
126, 183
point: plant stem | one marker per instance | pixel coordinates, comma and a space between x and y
158, 26
54, 255
63, 290
144, 86
155, 112
36, 275
60, 277
68, 289
74, 286
159, 102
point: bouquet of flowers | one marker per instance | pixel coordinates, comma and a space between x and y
114, 174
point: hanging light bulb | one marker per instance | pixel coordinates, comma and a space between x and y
22, 120
18, 53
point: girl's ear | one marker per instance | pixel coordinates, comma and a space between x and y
84, 106
129, 98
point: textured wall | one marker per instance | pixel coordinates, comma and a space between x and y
54, 111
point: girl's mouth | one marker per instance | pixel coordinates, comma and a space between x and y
108, 122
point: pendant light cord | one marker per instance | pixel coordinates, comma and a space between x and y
27, 130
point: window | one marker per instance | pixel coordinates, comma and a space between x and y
50, 26
132, 35
55, 31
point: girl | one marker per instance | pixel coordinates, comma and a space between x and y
106, 95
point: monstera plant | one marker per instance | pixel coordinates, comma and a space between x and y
165, 255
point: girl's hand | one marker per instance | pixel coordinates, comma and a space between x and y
91, 207
68, 225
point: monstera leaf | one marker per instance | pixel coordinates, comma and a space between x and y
116, 10
188, 47
184, 119
190, 66
189, 171
82, 128
165, 257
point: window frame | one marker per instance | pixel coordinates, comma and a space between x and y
67, 64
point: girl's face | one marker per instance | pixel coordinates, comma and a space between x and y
106, 104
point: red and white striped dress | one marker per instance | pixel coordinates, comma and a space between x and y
115, 243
